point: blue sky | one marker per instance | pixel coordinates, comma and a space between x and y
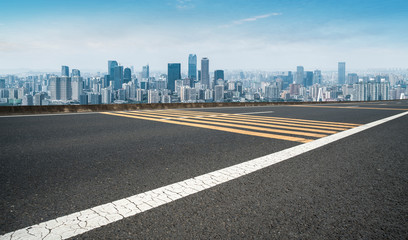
235, 34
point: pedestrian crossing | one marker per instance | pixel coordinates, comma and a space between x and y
288, 129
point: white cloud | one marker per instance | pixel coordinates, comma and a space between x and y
251, 19
184, 4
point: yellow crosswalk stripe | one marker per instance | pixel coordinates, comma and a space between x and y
266, 117
285, 123
225, 129
295, 119
251, 122
235, 125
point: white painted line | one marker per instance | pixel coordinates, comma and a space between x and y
96, 217
47, 114
253, 113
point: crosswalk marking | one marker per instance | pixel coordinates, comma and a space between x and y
280, 122
288, 129
231, 118
270, 118
257, 134
257, 123
242, 126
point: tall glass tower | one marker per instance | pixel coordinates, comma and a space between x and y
173, 74
342, 73
205, 72
64, 71
192, 69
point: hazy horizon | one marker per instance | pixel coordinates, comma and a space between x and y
263, 35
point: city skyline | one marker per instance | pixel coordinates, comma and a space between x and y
264, 35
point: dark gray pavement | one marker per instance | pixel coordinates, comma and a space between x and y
354, 188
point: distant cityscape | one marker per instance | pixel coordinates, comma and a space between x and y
121, 85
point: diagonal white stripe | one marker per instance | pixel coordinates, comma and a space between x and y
89, 219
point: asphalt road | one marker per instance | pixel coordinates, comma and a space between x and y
355, 188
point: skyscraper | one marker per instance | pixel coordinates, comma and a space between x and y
205, 72
192, 69
308, 80
145, 71
300, 74
75, 73
317, 77
342, 73
173, 74
64, 71
111, 68
118, 77
55, 88
127, 75
66, 88
218, 74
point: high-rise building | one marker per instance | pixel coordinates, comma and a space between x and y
106, 96
218, 74
64, 71
127, 75
27, 100
75, 73
111, 68
55, 88
173, 74
352, 78
205, 72
118, 77
199, 76
342, 73
219, 93
317, 77
300, 74
153, 96
77, 87
192, 69
2, 83
308, 80
66, 90
145, 71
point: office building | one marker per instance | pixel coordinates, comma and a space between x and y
192, 69
173, 74
118, 77
75, 73
64, 71
145, 71
308, 80
55, 88
2, 83
218, 75
66, 90
27, 100
153, 96
342, 73
219, 93
127, 75
106, 96
77, 87
111, 68
317, 77
300, 74
205, 72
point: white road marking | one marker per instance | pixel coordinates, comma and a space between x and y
93, 218
47, 114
